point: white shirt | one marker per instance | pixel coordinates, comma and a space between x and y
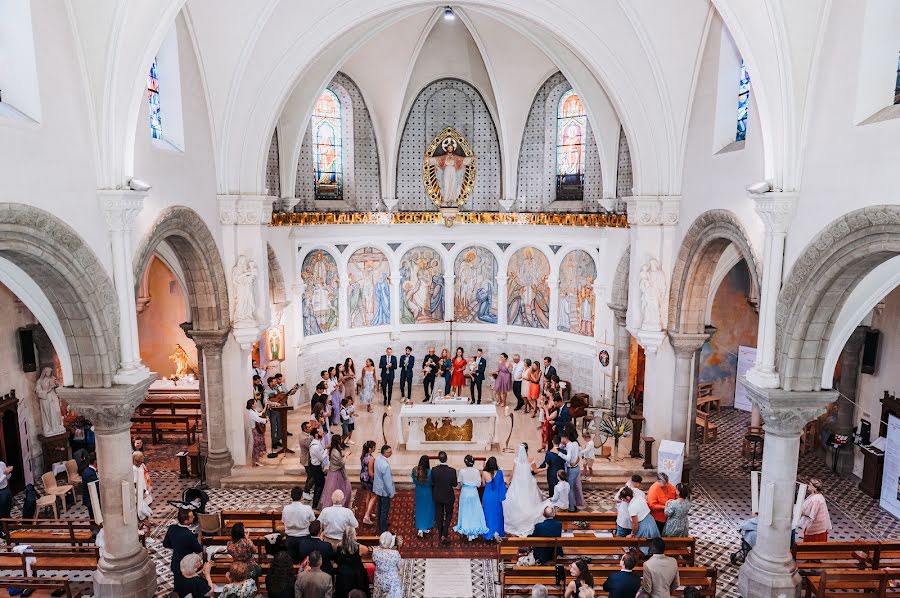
330, 385
638, 507
316, 453
623, 519
335, 520
296, 518
4, 477
517, 370
560, 498
589, 451
572, 453
255, 418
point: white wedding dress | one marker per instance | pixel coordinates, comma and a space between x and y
524, 504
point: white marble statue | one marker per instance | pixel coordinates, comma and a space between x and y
653, 295
51, 414
243, 277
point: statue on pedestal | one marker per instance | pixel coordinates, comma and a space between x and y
51, 415
653, 295
243, 278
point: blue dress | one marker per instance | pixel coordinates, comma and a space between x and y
471, 516
492, 501
424, 503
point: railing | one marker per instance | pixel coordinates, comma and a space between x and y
585, 219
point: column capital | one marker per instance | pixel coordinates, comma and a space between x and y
686, 345
209, 339
785, 412
109, 409
243, 210
650, 340
653, 210
776, 209
121, 207
619, 311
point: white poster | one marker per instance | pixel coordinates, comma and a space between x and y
890, 483
746, 360
671, 460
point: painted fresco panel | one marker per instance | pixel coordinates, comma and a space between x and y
475, 298
421, 286
576, 294
528, 302
368, 288
320, 295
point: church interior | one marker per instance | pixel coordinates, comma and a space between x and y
658, 242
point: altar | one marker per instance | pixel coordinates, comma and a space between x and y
449, 426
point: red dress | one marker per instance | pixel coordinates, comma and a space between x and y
459, 367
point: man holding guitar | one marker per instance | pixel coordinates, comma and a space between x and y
275, 397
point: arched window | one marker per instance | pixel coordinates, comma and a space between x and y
327, 144
743, 103
571, 123
153, 99
897, 84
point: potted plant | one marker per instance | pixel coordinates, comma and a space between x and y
615, 428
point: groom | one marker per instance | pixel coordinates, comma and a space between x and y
443, 492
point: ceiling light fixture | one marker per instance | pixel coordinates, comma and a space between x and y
448, 14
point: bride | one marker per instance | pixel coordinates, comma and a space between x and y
523, 507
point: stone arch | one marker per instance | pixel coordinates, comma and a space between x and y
77, 285
704, 242
618, 299
207, 292
821, 280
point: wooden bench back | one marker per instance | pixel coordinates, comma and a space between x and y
601, 521
887, 555
49, 531
41, 586
704, 579
834, 555
252, 520
599, 549
838, 582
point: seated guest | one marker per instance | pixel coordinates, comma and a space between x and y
539, 591
660, 577
296, 518
351, 572
313, 542
240, 584
336, 518
280, 578
624, 583
582, 579
241, 548
548, 528
195, 578
313, 582
182, 542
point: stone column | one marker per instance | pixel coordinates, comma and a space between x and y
450, 297
687, 357
395, 296
770, 571
502, 299
553, 281
213, 443
121, 207
343, 316
622, 357
125, 567
776, 210
846, 408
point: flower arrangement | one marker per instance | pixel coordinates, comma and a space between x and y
615, 428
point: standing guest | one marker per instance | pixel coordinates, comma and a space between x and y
351, 573
240, 583
563, 415
320, 396
518, 369
660, 577
548, 426
526, 384
424, 503
88, 476
659, 494
534, 387
366, 477
559, 499
814, 518
443, 492
407, 361
553, 464
315, 543
349, 378
182, 542
388, 365
195, 577
573, 471
137, 444
303, 456
548, 528
347, 422
588, 454
139, 470
470, 518
623, 517
492, 501
624, 583
257, 384
317, 457
581, 577
335, 392
446, 370
549, 370
503, 381
458, 373
313, 582
280, 578
368, 385
257, 425
387, 567
477, 374
296, 518
677, 511
272, 398
383, 486
242, 548
336, 518
642, 523
429, 370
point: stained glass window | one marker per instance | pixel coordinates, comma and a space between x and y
743, 103
153, 98
897, 84
571, 123
327, 143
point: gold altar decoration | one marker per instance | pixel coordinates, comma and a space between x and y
180, 357
447, 432
585, 219
447, 155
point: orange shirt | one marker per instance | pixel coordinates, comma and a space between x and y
657, 497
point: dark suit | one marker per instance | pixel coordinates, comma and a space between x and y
549, 372
182, 542
548, 528
406, 375
562, 418
478, 378
387, 377
87, 476
443, 491
622, 584
308, 544
432, 361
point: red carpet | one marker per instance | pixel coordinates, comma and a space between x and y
403, 523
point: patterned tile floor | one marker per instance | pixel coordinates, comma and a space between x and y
720, 499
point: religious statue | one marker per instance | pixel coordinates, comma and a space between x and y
180, 357
243, 277
653, 295
447, 432
449, 169
51, 415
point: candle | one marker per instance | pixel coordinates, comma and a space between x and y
616, 375
754, 491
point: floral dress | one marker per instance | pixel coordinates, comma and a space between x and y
387, 573
677, 519
368, 390
245, 589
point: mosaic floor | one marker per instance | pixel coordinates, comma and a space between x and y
720, 502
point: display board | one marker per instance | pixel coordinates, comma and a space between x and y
890, 482
746, 360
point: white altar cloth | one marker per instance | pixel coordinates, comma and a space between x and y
412, 419
450, 401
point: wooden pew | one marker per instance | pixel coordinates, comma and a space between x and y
887, 555
596, 550
153, 407
840, 582
51, 558
74, 532
253, 520
709, 429
586, 520
42, 587
811, 556
520, 580
157, 425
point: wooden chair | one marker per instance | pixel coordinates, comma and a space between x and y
838, 582
709, 429
51, 487
210, 523
48, 500
72, 473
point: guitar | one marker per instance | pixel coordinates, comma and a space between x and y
281, 398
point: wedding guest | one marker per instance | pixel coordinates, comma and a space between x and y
336, 385
240, 583
548, 528
280, 578
492, 500
815, 521
317, 457
337, 471
503, 380
296, 518
588, 454
582, 577
88, 477
548, 427
257, 431
623, 517
347, 422
388, 365
624, 583
368, 385
539, 591
320, 396
660, 577
444, 482
241, 548
387, 567
446, 370
534, 387
642, 523
553, 464
314, 543
525, 377
658, 495
336, 518
572, 452
518, 369
383, 486
559, 499
424, 502
313, 582
366, 477
350, 572
303, 456
182, 542
470, 514
477, 375
407, 361
429, 372
677, 511
458, 375
549, 370
349, 378
195, 577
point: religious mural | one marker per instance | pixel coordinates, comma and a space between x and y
448, 169
475, 298
368, 288
275, 343
576, 294
320, 295
421, 286
528, 302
